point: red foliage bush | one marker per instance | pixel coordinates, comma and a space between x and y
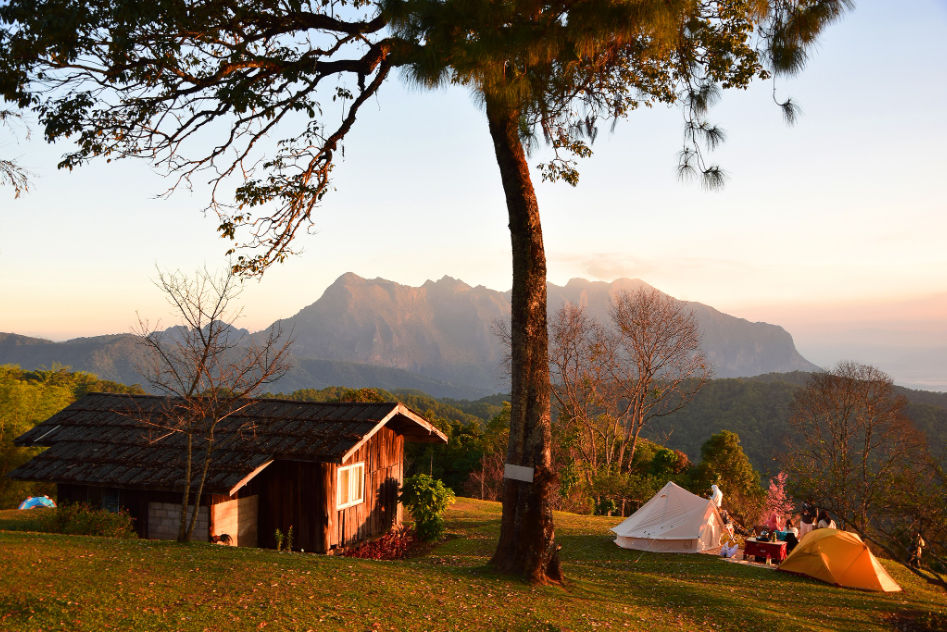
391, 546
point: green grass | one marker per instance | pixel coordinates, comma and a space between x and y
53, 582
15, 520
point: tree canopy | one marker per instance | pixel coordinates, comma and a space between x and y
724, 463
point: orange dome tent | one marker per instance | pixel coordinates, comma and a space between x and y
840, 558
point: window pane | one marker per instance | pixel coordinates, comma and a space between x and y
358, 482
344, 487
110, 500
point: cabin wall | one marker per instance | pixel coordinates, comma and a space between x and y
164, 521
383, 456
286, 494
304, 496
236, 518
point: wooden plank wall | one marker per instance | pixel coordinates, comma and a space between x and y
304, 496
382, 455
299, 495
291, 495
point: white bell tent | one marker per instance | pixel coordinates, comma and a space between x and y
673, 521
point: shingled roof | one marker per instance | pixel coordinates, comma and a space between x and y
108, 439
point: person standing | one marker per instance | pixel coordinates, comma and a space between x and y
807, 521
917, 549
824, 521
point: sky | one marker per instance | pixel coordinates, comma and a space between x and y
835, 228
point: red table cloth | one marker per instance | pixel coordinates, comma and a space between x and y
774, 550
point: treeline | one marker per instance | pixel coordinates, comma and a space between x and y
28, 398
690, 447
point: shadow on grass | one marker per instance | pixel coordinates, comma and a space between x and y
703, 589
485, 525
21, 520
698, 590
585, 547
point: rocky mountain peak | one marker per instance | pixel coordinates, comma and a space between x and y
443, 329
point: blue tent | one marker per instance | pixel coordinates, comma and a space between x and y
37, 501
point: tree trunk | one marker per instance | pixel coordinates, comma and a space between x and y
200, 490
183, 535
527, 543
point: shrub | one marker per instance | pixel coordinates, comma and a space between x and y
391, 546
426, 499
83, 519
724, 463
284, 541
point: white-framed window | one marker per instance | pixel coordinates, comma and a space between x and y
351, 485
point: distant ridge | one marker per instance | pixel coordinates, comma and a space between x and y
437, 338
113, 358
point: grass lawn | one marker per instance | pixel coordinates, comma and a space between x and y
53, 582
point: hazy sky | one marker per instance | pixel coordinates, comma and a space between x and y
837, 223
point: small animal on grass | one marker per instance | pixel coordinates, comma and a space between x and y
223, 538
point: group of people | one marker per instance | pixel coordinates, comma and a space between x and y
814, 518
791, 531
811, 518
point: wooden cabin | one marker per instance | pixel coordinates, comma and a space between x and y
331, 471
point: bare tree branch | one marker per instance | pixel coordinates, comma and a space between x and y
854, 452
662, 366
208, 369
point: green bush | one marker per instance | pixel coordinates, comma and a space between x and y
83, 519
724, 463
426, 499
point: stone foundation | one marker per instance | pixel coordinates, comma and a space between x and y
164, 522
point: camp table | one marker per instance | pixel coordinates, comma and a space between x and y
774, 550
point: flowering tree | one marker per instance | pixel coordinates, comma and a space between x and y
777, 499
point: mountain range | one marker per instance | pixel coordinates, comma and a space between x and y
437, 338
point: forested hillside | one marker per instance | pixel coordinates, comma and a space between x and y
757, 409
117, 357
